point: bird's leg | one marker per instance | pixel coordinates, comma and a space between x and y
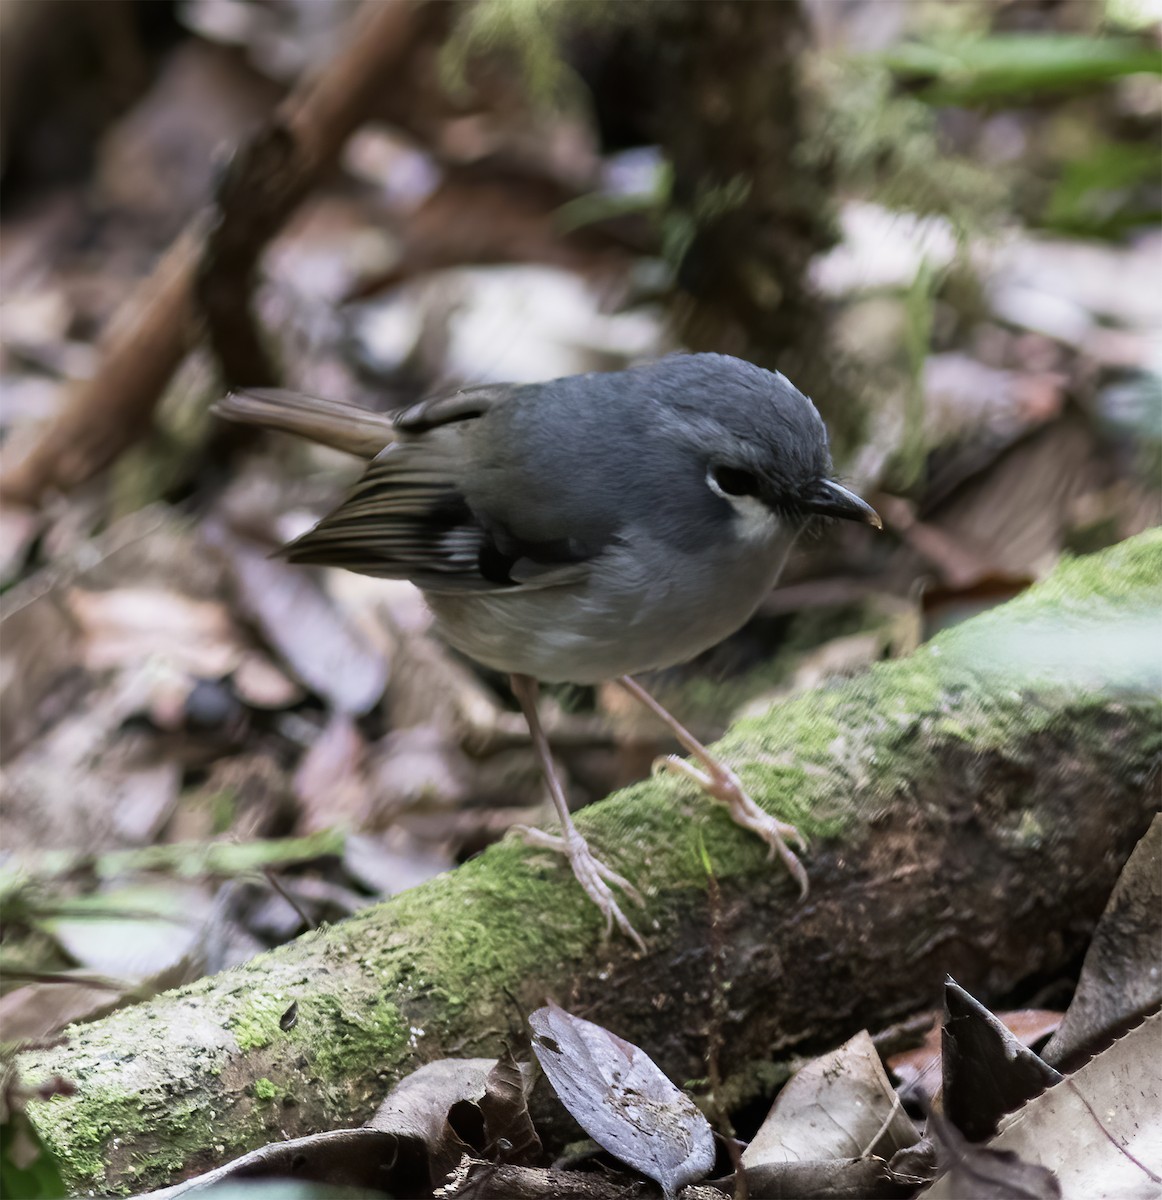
592, 874
723, 785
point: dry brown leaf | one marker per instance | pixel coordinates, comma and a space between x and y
123, 626
1099, 1130
918, 1070
299, 620
419, 1106
838, 1106
259, 683
330, 784
623, 1101
986, 1071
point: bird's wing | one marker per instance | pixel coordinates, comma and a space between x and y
463, 405
407, 519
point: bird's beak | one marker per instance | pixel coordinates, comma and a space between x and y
830, 499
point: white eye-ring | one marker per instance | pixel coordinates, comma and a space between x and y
754, 522
731, 482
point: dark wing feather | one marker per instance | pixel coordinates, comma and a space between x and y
407, 519
463, 405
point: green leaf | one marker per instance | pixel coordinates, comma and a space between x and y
970, 70
190, 860
27, 1170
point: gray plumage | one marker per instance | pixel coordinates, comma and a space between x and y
588, 527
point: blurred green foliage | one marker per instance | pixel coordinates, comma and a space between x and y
1114, 186
533, 31
188, 860
907, 466
1112, 190
27, 1170
1002, 68
884, 146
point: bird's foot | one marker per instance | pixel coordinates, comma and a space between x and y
593, 875
723, 785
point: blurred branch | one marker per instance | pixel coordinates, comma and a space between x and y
158, 325
109, 412
492, 212
256, 194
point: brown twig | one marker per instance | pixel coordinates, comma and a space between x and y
157, 326
276, 885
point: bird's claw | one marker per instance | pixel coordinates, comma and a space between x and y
723, 785
594, 877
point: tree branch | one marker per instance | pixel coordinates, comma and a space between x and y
157, 326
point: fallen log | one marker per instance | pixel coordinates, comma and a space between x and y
969, 809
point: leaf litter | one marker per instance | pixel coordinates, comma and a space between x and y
622, 1100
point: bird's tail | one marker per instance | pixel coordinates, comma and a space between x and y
343, 426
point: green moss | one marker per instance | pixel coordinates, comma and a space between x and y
829, 758
530, 31
344, 1033
76, 1139
488, 928
885, 145
256, 1024
80, 1134
166, 1127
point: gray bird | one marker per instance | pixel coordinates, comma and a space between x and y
581, 530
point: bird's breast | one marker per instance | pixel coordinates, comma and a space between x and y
640, 607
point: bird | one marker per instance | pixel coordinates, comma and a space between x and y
583, 530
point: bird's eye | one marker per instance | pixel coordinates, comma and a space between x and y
733, 481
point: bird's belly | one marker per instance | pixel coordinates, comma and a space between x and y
614, 624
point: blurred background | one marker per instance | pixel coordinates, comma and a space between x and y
939, 220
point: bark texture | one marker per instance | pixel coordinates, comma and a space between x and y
969, 809
755, 209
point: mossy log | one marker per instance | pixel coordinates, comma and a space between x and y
969, 809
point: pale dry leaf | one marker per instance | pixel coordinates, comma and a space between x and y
322, 1166
122, 626
330, 783
38, 1011
622, 1100
302, 624
839, 1106
39, 680
260, 684
137, 932
391, 863
1099, 1130
66, 789
418, 1108
19, 528
982, 1172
